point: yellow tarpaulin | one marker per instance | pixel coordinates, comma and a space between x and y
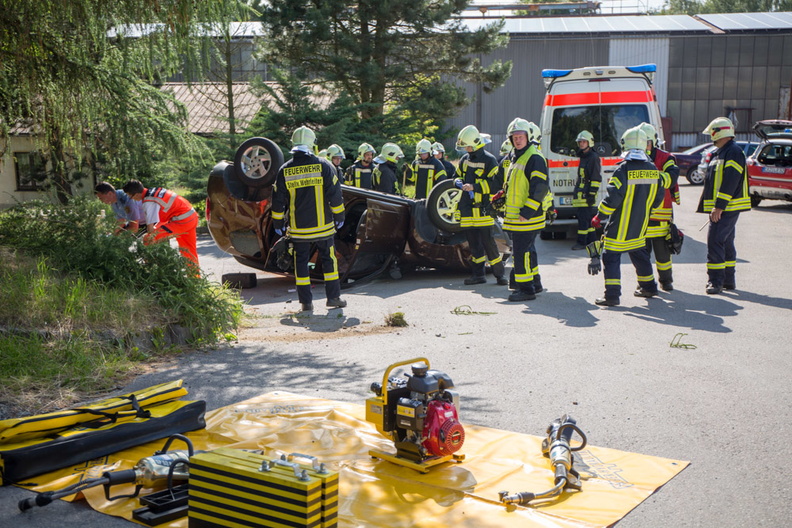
376, 493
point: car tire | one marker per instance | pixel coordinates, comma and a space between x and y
694, 177
441, 206
257, 161
755, 200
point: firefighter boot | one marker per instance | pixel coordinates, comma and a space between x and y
336, 303
607, 301
538, 284
475, 280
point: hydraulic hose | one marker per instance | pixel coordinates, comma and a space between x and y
42, 499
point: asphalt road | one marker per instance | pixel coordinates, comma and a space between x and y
723, 405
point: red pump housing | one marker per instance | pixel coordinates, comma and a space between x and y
443, 434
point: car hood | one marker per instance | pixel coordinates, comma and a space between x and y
773, 128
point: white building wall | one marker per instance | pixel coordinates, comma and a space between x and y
637, 50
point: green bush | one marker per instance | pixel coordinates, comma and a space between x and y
73, 239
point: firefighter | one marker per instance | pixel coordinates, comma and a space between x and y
724, 196
438, 150
359, 173
426, 170
309, 191
662, 216
475, 176
167, 215
633, 191
586, 189
383, 177
526, 188
336, 155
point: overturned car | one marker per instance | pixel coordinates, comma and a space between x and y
381, 233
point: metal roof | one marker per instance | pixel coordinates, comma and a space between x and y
749, 21
597, 24
207, 113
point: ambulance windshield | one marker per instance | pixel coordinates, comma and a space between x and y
606, 122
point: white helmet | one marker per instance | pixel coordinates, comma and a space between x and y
585, 135
390, 152
719, 128
651, 133
423, 147
437, 147
469, 137
304, 139
506, 147
634, 139
335, 151
364, 148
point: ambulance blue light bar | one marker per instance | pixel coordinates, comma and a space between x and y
644, 68
552, 74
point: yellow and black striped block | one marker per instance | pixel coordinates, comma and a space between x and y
230, 488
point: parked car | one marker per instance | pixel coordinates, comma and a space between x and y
770, 166
697, 177
688, 160
381, 233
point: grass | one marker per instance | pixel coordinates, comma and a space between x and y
74, 301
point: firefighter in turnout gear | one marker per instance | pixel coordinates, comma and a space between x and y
166, 215
662, 216
475, 176
634, 190
724, 196
526, 189
438, 151
359, 173
383, 178
586, 189
426, 170
336, 155
307, 189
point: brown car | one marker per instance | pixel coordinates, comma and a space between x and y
382, 232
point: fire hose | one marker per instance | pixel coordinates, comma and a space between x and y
148, 471
556, 447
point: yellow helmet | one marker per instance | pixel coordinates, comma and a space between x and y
634, 139
363, 148
437, 147
469, 137
390, 152
335, 151
322, 154
585, 135
423, 147
651, 133
506, 147
518, 124
720, 127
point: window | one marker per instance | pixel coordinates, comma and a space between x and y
607, 123
31, 171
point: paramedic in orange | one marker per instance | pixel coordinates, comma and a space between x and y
167, 215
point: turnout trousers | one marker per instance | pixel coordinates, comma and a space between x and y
721, 253
585, 233
303, 250
483, 249
526, 266
611, 267
662, 258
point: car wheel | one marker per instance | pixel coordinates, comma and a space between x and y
755, 200
257, 161
441, 205
695, 177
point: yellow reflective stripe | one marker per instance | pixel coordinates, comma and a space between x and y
478, 260
730, 263
338, 209
532, 204
616, 182
612, 282
539, 174
723, 196
496, 260
645, 278
303, 281
663, 266
668, 164
627, 204
624, 245
716, 266
276, 215
734, 165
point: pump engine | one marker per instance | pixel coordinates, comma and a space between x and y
419, 412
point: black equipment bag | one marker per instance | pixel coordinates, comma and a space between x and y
674, 239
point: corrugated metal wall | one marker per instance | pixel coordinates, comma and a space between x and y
523, 93
641, 50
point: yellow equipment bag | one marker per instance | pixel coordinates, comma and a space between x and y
39, 444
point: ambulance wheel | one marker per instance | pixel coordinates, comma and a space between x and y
257, 161
441, 205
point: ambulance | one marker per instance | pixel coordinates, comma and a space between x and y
606, 101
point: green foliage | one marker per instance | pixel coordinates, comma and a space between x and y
396, 61
73, 240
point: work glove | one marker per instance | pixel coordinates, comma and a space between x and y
279, 231
458, 183
594, 266
339, 224
596, 222
498, 199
